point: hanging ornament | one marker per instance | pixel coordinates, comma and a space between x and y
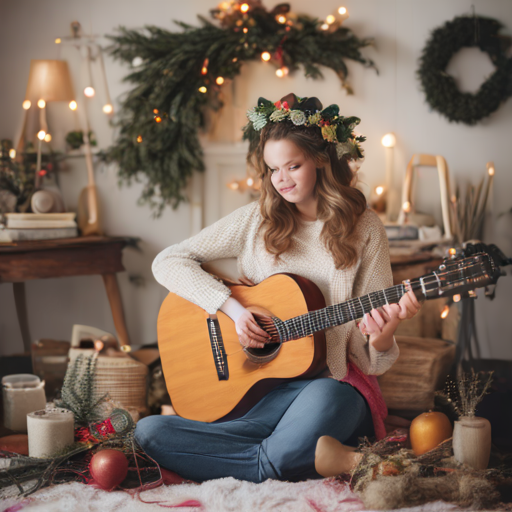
108, 468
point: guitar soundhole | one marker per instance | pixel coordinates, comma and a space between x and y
263, 355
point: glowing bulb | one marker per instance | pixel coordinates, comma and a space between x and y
98, 345
445, 311
234, 59
389, 140
406, 207
244, 7
220, 80
73, 105
330, 19
265, 56
12, 153
250, 182
41, 135
203, 89
204, 70
137, 61
379, 190
234, 185
285, 70
58, 40
89, 91
325, 26
27, 104
245, 30
342, 10
108, 108
452, 251
490, 170
41, 103
158, 119
139, 139
281, 19
456, 298
47, 138
155, 111
224, 6
280, 73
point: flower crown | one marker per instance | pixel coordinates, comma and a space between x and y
307, 112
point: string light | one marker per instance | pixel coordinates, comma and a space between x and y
379, 190
47, 138
41, 103
234, 59
281, 19
452, 251
220, 80
89, 92
12, 153
41, 135
234, 185
325, 26
445, 311
244, 7
155, 111
456, 298
58, 40
108, 108
137, 61
285, 70
73, 105
342, 10
330, 19
139, 139
265, 56
158, 119
250, 182
491, 170
245, 30
202, 89
389, 140
204, 69
406, 207
280, 73
26, 104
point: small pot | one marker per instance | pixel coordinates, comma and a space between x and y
472, 441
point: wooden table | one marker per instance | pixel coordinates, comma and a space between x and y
41, 259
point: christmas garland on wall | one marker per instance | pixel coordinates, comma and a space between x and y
441, 91
177, 76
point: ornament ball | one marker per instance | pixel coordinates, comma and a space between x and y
108, 468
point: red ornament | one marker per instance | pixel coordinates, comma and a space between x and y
108, 468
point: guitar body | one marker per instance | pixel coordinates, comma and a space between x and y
185, 344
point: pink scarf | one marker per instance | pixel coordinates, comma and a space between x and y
368, 386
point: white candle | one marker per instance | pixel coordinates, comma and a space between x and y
49, 432
22, 393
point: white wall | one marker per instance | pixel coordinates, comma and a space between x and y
390, 101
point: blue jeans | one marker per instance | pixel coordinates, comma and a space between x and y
275, 439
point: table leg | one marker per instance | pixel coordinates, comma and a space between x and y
114, 297
21, 311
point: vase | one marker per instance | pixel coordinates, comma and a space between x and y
472, 441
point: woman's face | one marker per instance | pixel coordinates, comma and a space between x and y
293, 174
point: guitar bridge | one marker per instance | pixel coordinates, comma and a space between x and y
219, 353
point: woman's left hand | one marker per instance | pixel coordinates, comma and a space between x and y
381, 323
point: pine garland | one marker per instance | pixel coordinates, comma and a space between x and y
158, 123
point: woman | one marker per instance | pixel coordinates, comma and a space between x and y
312, 222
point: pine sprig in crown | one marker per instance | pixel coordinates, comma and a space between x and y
306, 112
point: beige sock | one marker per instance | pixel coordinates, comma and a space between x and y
333, 458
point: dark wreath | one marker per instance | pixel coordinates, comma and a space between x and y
440, 88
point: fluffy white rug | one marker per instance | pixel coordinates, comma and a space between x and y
223, 495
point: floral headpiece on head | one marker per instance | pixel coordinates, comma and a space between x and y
306, 112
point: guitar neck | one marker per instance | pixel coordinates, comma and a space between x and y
337, 314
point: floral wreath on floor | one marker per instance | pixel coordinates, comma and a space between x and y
441, 90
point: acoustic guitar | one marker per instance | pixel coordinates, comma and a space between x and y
210, 377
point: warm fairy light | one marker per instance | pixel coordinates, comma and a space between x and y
406, 207
456, 298
47, 138
204, 70
158, 119
41, 135
73, 105
445, 311
234, 59
98, 345
491, 170
330, 19
202, 89
342, 10
89, 91
244, 7
12, 153
265, 56
325, 26
224, 6
285, 70
250, 182
58, 40
108, 108
219, 80
452, 251
155, 111
279, 73
41, 103
234, 185
139, 139
245, 30
281, 19
26, 104
389, 140
379, 190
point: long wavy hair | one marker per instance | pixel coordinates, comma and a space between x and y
339, 204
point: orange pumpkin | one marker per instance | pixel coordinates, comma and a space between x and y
429, 430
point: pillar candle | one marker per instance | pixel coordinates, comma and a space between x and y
49, 432
22, 393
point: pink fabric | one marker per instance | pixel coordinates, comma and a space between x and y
368, 386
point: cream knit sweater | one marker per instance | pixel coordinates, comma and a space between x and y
236, 236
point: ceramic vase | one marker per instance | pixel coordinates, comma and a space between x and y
472, 441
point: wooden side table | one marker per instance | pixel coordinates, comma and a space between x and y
41, 259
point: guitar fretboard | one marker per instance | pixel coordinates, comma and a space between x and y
337, 314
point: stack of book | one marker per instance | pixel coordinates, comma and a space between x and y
40, 226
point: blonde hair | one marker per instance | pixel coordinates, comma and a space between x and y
339, 204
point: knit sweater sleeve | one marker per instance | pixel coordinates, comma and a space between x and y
178, 267
373, 274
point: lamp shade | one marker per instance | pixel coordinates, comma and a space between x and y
49, 80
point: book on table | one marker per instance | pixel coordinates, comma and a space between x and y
40, 220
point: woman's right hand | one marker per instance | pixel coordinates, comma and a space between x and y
250, 334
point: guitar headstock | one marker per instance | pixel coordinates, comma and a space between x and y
477, 266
